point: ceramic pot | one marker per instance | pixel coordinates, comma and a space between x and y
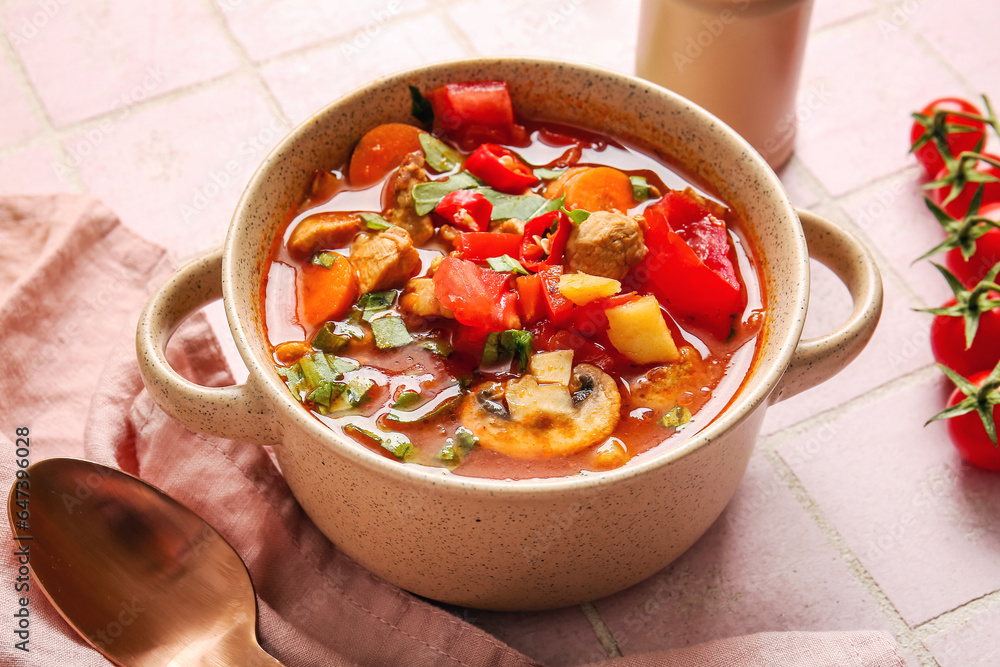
530, 544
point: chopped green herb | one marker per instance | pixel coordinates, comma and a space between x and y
519, 343
577, 215
438, 346
373, 303
492, 354
440, 156
316, 369
407, 401
456, 448
427, 195
548, 174
358, 391
390, 331
328, 340
446, 407
324, 395
421, 107
375, 221
640, 188
522, 207
506, 264
294, 379
501, 347
675, 418
324, 259
342, 364
396, 444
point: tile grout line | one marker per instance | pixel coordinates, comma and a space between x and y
247, 65
906, 636
954, 618
601, 629
48, 135
929, 49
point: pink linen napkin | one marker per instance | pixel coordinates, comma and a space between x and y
72, 282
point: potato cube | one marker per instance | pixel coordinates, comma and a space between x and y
637, 330
582, 288
555, 366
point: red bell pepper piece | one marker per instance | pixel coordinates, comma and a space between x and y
688, 266
467, 210
475, 112
479, 297
560, 308
556, 227
480, 246
530, 300
500, 168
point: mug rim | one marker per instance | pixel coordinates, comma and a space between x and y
747, 399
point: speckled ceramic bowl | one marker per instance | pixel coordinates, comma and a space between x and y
491, 543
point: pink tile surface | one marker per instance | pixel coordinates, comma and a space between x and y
174, 172
268, 27
303, 83
569, 29
797, 183
31, 171
828, 12
763, 566
921, 521
900, 346
853, 127
17, 118
893, 217
957, 32
91, 56
975, 642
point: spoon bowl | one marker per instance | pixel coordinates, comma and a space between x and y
142, 578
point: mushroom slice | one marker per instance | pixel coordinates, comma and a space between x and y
527, 420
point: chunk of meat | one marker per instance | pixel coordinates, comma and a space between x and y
329, 230
508, 226
384, 260
418, 298
401, 211
606, 244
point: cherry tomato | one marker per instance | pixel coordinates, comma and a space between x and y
986, 256
948, 341
968, 434
959, 206
928, 155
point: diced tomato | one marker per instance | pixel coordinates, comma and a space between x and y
559, 308
688, 267
479, 297
467, 210
469, 340
530, 299
480, 246
500, 168
703, 232
474, 112
556, 227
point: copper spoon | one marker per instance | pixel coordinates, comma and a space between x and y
142, 578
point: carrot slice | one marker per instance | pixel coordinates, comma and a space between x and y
599, 189
381, 150
326, 293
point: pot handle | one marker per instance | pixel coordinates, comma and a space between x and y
818, 359
238, 412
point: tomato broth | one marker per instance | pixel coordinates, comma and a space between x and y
510, 366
